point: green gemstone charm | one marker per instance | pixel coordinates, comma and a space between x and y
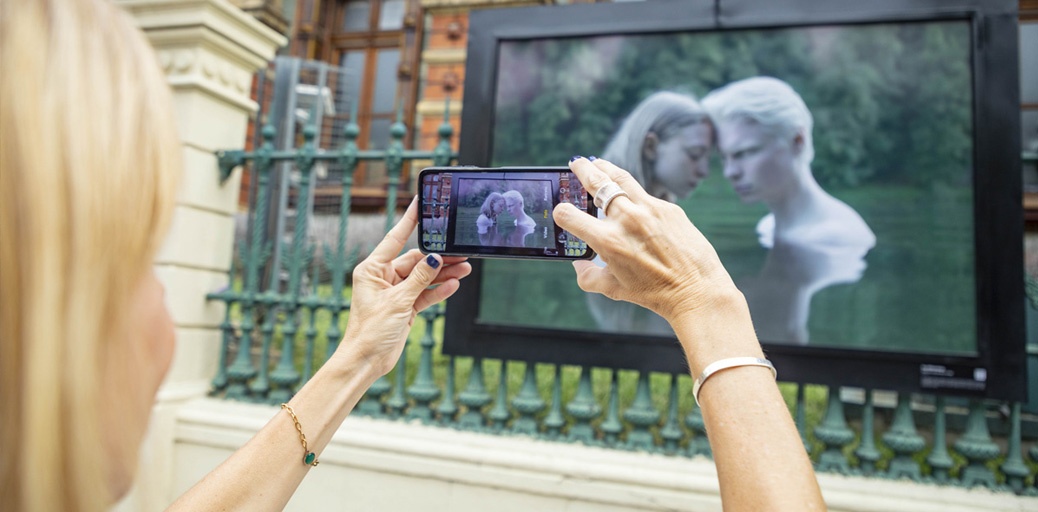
309, 459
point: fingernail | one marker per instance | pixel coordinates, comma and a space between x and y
592, 158
575, 158
432, 261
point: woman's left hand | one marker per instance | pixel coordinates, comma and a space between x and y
390, 290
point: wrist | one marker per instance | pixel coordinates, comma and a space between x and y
718, 330
350, 364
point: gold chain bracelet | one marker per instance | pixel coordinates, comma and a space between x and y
309, 457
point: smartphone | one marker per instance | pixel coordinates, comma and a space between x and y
501, 212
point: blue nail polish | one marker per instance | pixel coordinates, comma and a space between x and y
575, 158
432, 261
592, 158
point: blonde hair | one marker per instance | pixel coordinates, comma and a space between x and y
663, 113
488, 204
769, 102
89, 168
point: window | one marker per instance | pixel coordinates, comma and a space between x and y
374, 42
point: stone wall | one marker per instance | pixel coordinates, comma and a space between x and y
386, 466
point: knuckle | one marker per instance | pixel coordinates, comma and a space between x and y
423, 272
596, 179
636, 221
624, 178
614, 241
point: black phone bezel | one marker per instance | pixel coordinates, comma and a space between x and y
494, 252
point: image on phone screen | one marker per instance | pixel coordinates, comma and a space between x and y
500, 212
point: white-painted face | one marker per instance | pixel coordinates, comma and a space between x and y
682, 160
760, 166
515, 205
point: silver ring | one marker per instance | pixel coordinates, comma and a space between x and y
605, 195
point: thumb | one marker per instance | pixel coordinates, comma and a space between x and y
422, 276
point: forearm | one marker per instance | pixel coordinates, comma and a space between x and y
761, 462
389, 289
265, 472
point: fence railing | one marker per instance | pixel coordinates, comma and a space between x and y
917, 437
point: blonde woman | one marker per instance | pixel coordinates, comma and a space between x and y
89, 167
492, 206
665, 144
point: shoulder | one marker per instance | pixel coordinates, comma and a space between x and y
831, 224
842, 233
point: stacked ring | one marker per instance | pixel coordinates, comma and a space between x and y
605, 195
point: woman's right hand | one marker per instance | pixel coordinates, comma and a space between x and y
655, 257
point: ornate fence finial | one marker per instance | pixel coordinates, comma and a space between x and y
976, 445
904, 440
528, 402
642, 415
835, 434
583, 408
474, 397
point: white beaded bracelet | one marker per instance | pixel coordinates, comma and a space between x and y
724, 364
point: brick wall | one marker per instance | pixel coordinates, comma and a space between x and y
443, 63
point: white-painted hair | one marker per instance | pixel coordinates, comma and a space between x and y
514, 194
663, 113
768, 101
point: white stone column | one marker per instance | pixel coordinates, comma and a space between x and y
209, 50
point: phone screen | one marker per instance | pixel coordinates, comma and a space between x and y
504, 212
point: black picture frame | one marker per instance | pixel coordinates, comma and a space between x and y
997, 203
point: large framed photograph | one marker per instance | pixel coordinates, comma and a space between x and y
855, 166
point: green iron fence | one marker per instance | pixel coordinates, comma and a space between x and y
940, 440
